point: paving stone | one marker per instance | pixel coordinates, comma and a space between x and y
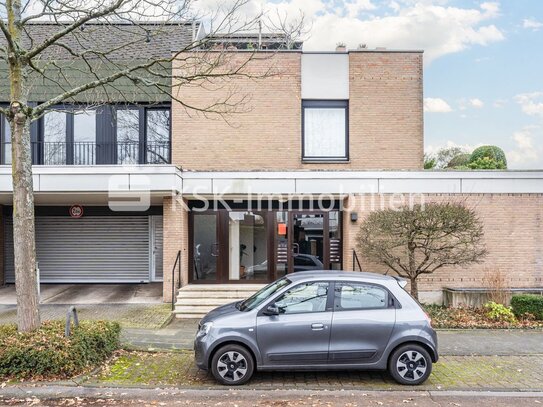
513, 373
149, 316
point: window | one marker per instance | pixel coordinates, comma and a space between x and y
128, 136
351, 296
325, 126
259, 297
5, 137
158, 136
85, 137
54, 138
307, 297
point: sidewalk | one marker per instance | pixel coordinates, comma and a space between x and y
150, 316
180, 333
82, 396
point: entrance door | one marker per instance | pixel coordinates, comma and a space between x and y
230, 246
307, 241
205, 247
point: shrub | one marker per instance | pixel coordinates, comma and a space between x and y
459, 161
488, 157
499, 312
528, 304
47, 353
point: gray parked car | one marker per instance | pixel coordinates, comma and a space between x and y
320, 320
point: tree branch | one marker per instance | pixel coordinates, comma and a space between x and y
92, 16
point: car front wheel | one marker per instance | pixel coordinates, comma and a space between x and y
232, 365
410, 364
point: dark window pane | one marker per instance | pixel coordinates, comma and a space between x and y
128, 136
158, 136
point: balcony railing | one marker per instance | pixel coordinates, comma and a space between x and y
92, 153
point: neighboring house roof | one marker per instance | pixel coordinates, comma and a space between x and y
119, 41
105, 47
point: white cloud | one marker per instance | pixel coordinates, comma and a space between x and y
499, 103
436, 105
532, 24
354, 7
526, 153
432, 25
476, 103
531, 103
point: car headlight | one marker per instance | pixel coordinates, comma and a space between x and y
204, 329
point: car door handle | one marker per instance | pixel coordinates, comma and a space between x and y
317, 327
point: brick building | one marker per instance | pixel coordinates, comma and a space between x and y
229, 204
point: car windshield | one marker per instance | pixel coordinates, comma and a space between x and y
260, 296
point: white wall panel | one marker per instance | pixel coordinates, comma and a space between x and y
325, 76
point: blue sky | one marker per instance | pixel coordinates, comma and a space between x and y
483, 78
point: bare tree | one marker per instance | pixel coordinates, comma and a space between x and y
87, 67
422, 239
289, 29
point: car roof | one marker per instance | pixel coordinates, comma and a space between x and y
338, 274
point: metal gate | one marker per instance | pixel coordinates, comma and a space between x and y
93, 249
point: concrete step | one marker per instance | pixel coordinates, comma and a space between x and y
205, 301
196, 300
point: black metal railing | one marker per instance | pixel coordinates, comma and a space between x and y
176, 266
91, 153
356, 262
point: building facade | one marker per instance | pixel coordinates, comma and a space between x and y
153, 191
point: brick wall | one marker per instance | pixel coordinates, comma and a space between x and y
175, 223
385, 110
513, 227
385, 106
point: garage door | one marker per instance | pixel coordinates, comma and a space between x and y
97, 249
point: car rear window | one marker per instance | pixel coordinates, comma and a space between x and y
351, 296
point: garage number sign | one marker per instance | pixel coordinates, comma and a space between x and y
76, 211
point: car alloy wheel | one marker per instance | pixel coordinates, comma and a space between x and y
232, 365
410, 364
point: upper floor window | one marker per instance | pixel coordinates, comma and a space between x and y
325, 130
5, 137
108, 134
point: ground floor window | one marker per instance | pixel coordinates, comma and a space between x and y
260, 246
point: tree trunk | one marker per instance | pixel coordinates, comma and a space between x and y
414, 288
26, 279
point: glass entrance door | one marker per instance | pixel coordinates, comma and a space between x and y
230, 246
205, 247
307, 242
241, 246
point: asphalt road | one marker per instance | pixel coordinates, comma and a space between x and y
79, 396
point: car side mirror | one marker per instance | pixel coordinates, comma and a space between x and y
271, 310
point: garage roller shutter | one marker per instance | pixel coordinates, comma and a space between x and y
97, 249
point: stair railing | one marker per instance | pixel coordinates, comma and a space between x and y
176, 266
356, 261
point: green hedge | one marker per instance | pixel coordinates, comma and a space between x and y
528, 304
47, 353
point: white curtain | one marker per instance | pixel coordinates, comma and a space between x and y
324, 133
